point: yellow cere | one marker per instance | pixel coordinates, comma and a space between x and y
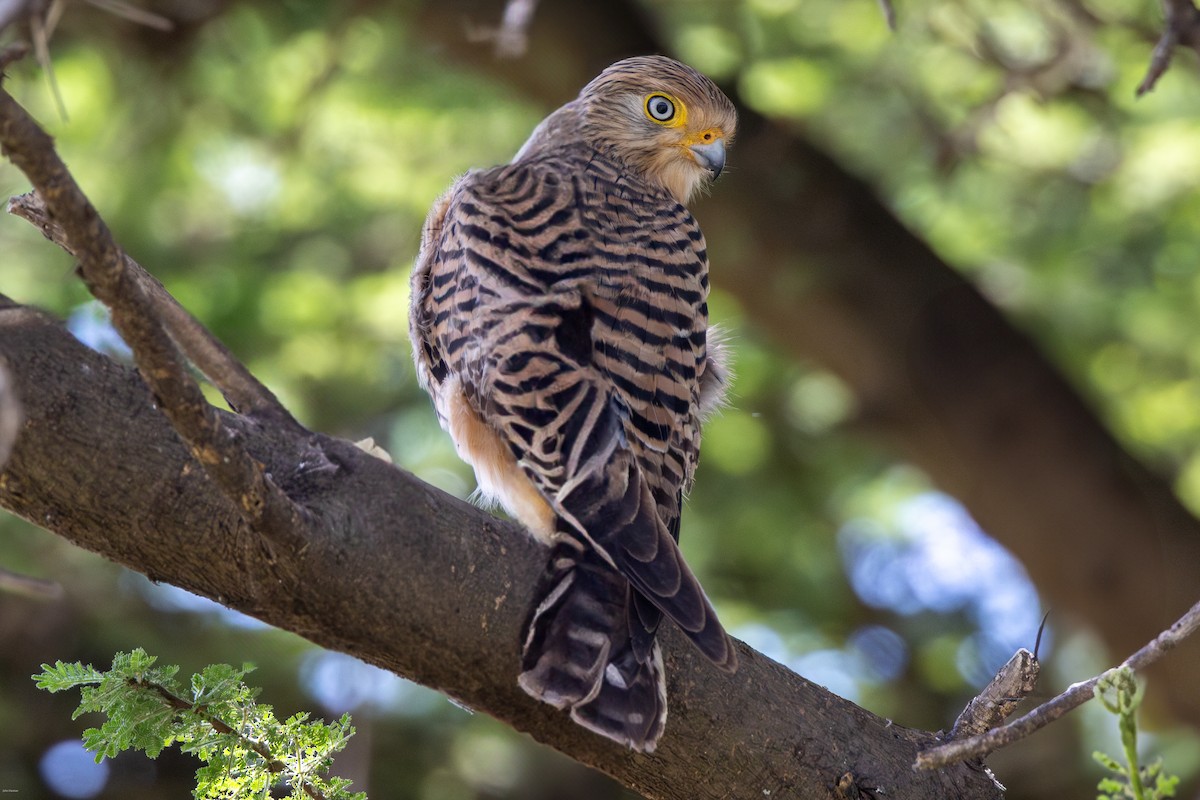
677, 119
703, 137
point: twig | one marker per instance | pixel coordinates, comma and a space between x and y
12, 53
41, 28
264, 507
28, 586
511, 38
1075, 696
245, 393
1015, 681
138, 16
1181, 27
220, 726
889, 14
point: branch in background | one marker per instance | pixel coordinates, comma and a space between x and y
266, 509
1075, 696
27, 586
1181, 27
12, 53
245, 393
889, 14
511, 39
138, 16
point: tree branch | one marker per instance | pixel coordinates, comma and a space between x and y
245, 393
1075, 696
408, 578
511, 38
267, 510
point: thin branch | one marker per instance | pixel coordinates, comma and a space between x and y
245, 393
28, 586
1181, 27
511, 38
138, 16
889, 14
274, 765
266, 509
41, 28
12, 53
1015, 681
1075, 696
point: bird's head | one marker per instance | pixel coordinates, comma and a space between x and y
662, 119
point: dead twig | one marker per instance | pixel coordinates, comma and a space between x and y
265, 508
1181, 27
1075, 696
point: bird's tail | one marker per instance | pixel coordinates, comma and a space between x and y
588, 650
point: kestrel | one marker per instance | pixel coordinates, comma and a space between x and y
560, 323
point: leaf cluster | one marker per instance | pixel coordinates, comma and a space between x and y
246, 751
1121, 694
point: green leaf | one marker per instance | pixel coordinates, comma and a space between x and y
1108, 762
66, 676
1165, 785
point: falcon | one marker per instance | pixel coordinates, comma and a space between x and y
559, 321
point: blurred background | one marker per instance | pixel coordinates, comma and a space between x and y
272, 164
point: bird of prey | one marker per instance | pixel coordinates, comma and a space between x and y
559, 321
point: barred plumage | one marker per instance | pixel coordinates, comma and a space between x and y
559, 322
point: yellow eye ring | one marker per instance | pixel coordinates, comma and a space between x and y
663, 109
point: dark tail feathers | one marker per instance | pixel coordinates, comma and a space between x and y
587, 650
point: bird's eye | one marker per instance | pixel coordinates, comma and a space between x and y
660, 108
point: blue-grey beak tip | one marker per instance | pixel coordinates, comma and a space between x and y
711, 156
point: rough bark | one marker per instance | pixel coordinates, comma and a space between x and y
826, 271
408, 578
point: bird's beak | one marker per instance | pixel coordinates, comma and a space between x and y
711, 156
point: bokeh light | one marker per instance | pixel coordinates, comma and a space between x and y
931, 556
71, 771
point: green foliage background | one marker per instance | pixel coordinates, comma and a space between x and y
274, 165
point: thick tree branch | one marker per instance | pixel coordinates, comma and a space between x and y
268, 511
408, 578
1076, 695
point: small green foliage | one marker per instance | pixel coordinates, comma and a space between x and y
246, 751
1121, 694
